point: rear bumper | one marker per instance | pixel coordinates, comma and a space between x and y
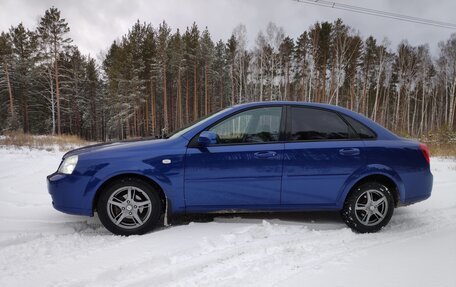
418, 187
68, 196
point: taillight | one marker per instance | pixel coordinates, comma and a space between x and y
425, 150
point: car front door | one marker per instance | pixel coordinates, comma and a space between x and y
321, 152
244, 167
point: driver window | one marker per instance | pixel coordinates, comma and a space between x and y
252, 126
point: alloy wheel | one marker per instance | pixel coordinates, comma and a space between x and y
129, 207
371, 207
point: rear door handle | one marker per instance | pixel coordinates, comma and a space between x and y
265, 154
349, 151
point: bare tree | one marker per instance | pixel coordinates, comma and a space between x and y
382, 58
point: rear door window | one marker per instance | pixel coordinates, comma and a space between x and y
310, 124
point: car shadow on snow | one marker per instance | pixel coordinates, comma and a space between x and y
312, 220
317, 220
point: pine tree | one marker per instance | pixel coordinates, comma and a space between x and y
231, 46
153, 81
23, 43
52, 31
207, 52
192, 56
6, 59
302, 62
163, 59
91, 92
149, 56
369, 55
221, 74
176, 47
286, 51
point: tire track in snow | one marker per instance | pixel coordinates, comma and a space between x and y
40, 251
233, 262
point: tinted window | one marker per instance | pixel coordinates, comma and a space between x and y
252, 126
316, 124
362, 131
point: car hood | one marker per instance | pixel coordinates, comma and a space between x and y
114, 146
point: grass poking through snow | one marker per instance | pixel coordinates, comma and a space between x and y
42, 142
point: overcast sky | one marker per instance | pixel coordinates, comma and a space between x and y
95, 24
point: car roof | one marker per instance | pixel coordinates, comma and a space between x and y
281, 103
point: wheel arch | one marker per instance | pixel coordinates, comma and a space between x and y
163, 198
395, 185
383, 179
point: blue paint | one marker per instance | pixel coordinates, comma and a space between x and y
265, 176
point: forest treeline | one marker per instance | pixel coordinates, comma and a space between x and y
154, 79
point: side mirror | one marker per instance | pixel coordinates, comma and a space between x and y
207, 138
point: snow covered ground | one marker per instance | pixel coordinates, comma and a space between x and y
42, 247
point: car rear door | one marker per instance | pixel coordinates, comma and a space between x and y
321, 152
244, 168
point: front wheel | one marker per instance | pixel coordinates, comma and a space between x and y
368, 208
129, 206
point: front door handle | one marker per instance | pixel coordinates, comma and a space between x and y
349, 151
265, 154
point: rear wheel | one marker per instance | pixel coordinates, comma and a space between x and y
129, 206
368, 208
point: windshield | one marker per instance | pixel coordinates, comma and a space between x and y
193, 124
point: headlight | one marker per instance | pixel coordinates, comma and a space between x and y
68, 164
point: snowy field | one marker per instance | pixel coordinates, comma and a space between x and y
42, 247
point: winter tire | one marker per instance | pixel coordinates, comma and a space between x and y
129, 206
368, 208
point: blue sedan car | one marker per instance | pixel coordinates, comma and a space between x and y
269, 156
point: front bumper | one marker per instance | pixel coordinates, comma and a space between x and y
68, 194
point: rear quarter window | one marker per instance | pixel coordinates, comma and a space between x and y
361, 130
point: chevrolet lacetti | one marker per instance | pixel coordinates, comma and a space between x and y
269, 156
